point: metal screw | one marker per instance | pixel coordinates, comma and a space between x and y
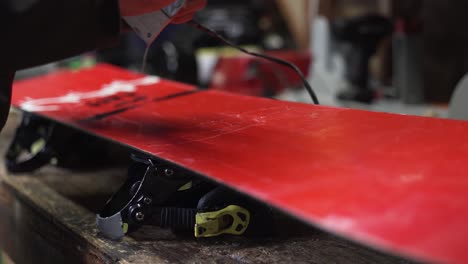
169, 172
147, 200
140, 216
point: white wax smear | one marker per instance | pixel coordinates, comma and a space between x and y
109, 89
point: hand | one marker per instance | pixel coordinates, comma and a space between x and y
140, 7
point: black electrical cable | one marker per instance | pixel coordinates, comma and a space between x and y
263, 56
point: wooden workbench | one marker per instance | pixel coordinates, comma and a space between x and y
48, 217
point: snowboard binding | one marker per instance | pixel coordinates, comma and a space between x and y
155, 192
39, 142
30, 149
162, 195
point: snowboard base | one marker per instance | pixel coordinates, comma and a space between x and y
392, 182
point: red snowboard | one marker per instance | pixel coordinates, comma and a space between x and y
398, 183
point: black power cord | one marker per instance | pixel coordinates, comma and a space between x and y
263, 56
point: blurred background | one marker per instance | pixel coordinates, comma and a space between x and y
403, 56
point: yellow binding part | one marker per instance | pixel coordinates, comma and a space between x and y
232, 220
